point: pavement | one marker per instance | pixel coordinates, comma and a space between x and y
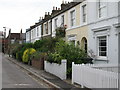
46, 77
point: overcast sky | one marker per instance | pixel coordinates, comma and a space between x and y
21, 14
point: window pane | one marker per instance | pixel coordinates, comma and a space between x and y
102, 48
102, 54
102, 43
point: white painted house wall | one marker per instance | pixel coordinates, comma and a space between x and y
27, 36
38, 36
96, 29
34, 35
49, 28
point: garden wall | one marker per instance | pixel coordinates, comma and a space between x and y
39, 64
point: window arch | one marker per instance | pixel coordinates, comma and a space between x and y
84, 44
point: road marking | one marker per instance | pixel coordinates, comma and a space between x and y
21, 84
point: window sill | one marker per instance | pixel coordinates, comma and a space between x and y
46, 35
102, 58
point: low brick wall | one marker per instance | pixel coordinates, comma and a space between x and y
39, 64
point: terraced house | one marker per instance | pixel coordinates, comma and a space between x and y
104, 29
94, 26
77, 31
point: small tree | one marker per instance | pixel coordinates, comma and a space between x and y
27, 53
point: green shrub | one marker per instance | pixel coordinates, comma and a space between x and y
70, 52
14, 49
46, 44
54, 58
37, 55
26, 54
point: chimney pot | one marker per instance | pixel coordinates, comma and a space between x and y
45, 13
53, 8
48, 13
62, 1
65, 2
58, 8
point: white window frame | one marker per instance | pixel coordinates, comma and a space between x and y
56, 23
84, 13
49, 27
101, 32
98, 38
37, 28
46, 28
102, 7
81, 13
72, 18
62, 20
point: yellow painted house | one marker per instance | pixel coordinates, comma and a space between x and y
77, 29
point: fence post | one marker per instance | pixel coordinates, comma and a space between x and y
72, 73
64, 63
44, 65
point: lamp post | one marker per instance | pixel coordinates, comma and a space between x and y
4, 38
8, 39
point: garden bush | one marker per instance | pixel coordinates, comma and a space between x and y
26, 54
70, 52
46, 45
14, 49
38, 55
54, 58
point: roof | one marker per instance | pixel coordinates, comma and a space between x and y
69, 6
14, 36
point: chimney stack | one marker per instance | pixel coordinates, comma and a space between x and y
62, 1
45, 13
56, 8
53, 8
65, 2
48, 13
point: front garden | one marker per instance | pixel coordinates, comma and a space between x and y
52, 50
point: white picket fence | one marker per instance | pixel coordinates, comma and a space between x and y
105, 67
90, 77
56, 69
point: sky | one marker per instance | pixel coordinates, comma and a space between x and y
21, 14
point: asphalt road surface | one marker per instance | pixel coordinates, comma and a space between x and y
14, 77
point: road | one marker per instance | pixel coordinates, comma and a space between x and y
14, 77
